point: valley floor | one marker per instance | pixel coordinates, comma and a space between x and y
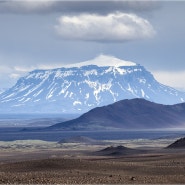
140, 170
80, 164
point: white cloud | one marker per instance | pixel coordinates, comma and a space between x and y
115, 27
174, 78
14, 76
9, 74
25, 69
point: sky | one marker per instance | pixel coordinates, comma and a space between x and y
50, 34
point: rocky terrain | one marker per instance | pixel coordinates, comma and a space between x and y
53, 163
147, 169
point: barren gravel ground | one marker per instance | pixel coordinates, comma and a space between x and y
40, 162
37, 168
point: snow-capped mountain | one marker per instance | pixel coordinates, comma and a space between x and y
77, 88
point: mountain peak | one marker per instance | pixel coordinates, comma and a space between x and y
102, 61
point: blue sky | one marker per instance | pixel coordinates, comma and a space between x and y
48, 34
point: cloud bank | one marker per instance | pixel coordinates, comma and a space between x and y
171, 78
25, 6
9, 74
75, 6
117, 27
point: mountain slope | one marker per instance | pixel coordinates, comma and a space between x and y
2, 90
180, 143
77, 88
128, 114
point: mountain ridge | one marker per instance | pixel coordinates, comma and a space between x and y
128, 114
